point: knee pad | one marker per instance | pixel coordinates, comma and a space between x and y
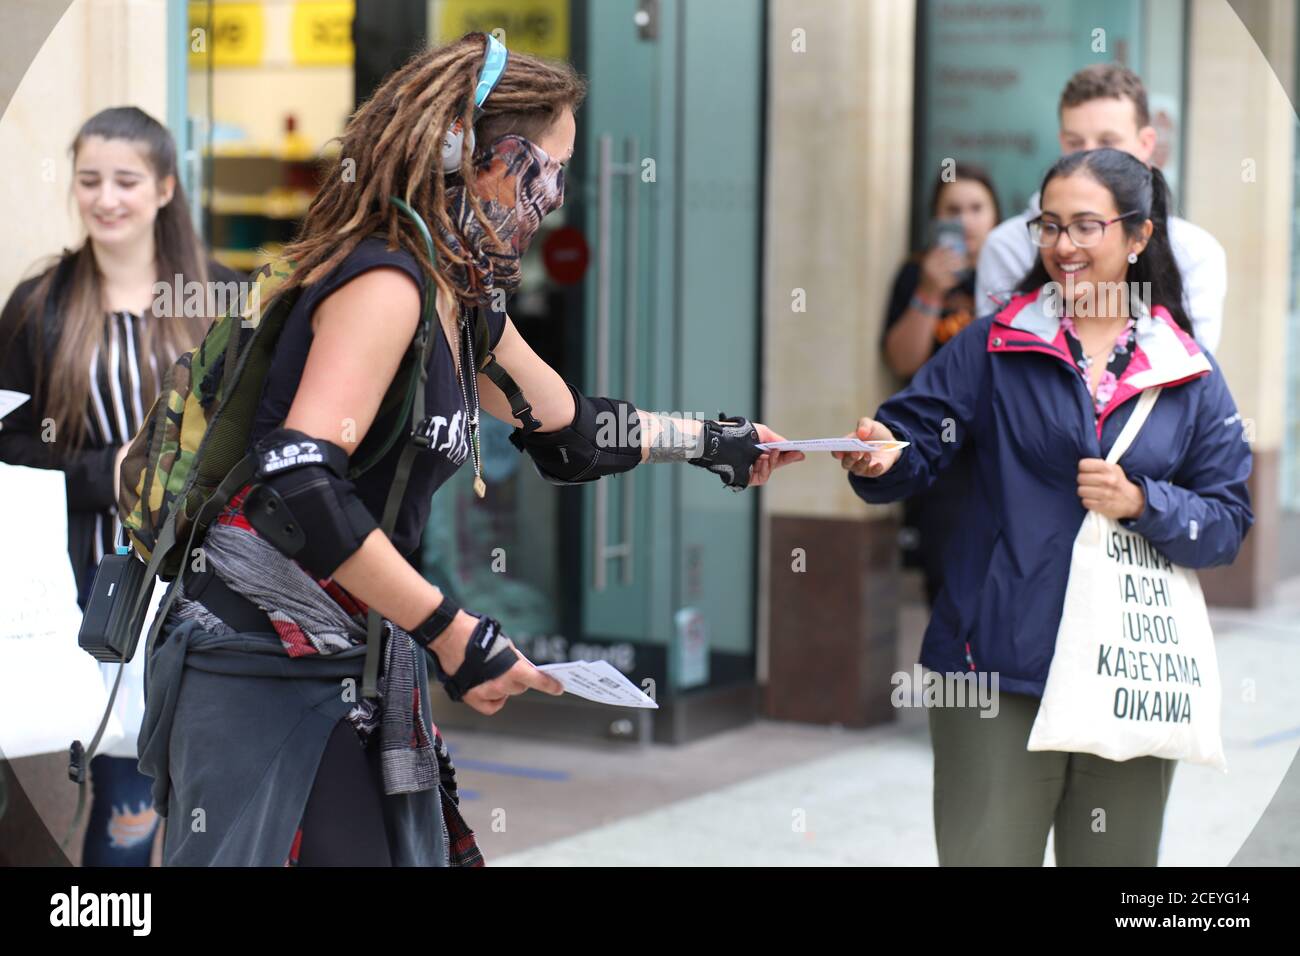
604, 438
302, 502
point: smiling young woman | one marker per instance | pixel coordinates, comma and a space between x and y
1039, 393
87, 339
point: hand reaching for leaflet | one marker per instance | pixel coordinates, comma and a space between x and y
868, 464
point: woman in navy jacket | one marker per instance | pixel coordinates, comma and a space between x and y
1040, 393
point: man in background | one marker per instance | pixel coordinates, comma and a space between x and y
1106, 105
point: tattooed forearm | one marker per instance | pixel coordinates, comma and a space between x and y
671, 439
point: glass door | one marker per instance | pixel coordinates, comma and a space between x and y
645, 286
524, 552
628, 524
673, 317
187, 102
717, 314
507, 554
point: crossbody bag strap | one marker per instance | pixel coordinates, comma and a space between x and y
1146, 401
498, 376
79, 757
519, 407
402, 475
374, 621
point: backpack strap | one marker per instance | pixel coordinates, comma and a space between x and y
420, 354
402, 475
502, 379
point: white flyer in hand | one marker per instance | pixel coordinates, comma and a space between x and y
600, 681
9, 400
831, 444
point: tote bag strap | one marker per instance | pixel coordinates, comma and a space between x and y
1134, 424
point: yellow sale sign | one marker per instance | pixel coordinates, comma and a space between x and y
322, 32
540, 27
234, 36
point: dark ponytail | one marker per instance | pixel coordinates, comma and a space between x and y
1133, 186
1157, 264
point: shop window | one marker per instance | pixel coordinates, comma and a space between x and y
989, 78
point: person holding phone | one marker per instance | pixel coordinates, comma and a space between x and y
933, 299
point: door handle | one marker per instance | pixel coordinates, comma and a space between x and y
603, 549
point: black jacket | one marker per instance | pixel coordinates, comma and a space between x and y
89, 471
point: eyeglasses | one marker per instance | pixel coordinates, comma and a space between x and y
1082, 232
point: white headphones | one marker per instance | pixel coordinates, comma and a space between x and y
455, 142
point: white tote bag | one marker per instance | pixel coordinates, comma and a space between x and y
1134, 673
53, 692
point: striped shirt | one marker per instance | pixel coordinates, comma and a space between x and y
116, 406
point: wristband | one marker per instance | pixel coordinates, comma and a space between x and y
436, 623
926, 308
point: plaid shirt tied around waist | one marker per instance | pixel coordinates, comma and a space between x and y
321, 617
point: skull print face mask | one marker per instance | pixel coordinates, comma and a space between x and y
517, 185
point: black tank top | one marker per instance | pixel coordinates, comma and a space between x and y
444, 401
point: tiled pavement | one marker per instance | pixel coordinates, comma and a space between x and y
788, 794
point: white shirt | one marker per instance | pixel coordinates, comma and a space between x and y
1007, 255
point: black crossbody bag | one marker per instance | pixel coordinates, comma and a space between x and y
116, 608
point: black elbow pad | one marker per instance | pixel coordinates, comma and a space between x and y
303, 503
604, 438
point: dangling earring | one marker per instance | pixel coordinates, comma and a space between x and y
1132, 257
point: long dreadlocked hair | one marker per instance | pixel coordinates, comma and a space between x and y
395, 142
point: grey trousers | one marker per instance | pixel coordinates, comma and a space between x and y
995, 801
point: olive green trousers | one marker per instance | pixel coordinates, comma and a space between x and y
995, 801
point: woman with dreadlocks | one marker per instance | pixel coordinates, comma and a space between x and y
260, 758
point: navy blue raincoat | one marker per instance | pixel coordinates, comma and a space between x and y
1006, 385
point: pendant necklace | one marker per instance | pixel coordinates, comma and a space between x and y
471, 411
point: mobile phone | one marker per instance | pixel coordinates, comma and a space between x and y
950, 234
